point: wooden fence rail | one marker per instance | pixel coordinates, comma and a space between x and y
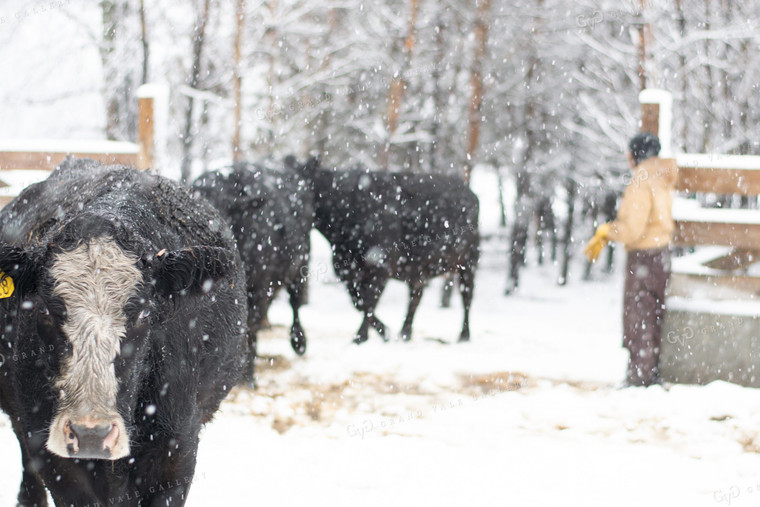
25, 161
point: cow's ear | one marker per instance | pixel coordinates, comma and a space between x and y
18, 269
193, 269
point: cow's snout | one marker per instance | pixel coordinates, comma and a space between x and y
89, 438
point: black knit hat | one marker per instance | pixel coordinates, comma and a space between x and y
643, 146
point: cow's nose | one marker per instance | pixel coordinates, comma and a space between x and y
90, 440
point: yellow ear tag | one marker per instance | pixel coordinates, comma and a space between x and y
6, 286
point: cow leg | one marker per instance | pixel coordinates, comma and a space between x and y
165, 478
540, 242
448, 289
297, 336
466, 287
253, 327
40, 468
249, 371
374, 289
32, 492
380, 327
258, 305
76, 485
163, 470
362, 335
415, 294
365, 294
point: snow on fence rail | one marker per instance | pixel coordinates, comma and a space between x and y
706, 173
45, 154
24, 161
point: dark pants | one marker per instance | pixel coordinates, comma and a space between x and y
647, 274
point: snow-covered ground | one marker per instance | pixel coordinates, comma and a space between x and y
528, 413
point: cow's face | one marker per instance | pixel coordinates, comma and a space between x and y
93, 303
96, 284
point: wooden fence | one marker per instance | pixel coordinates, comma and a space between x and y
25, 161
712, 326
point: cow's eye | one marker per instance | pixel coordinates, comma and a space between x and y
43, 315
46, 324
143, 315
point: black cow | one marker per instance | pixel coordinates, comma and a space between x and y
271, 213
123, 331
411, 227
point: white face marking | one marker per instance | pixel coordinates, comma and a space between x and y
95, 281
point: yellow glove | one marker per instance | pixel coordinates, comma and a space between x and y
597, 243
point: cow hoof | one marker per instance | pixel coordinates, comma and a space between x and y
405, 336
382, 332
298, 342
29, 503
464, 338
360, 339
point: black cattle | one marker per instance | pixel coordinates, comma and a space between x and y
411, 227
123, 332
271, 213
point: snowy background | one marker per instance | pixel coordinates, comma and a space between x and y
528, 413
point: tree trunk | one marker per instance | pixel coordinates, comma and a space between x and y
118, 84
745, 147
523, 205
438, 96
199, 37
502, 206
642, 48
271, 74
145, 44
520, 227
398, 85
237, 152
476, 80
609, 210
725, 79
545, 228
681, 16
709, 99
571, 187
323, 120
452, 156
110, 20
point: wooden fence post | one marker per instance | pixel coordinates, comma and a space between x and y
154, 126
145, 131
153, 105
657, 117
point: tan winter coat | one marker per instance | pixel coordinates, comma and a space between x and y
645, 218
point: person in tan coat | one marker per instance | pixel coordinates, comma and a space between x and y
644, 225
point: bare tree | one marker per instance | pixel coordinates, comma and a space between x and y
399, 84
145, 44
199, 39
237, 153
642, 28
119, 79
681, 21
476, 80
